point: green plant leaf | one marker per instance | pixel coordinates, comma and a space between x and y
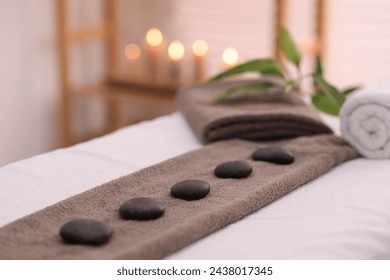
258, 86
329, 90
349, 90
319, 69
291, 85
289, 48
321, 101
267, 66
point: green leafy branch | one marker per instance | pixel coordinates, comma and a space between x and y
326, 98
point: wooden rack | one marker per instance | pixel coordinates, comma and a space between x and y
316, 47
112, 88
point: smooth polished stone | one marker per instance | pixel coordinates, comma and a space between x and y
233, 169
85, 231
190, 189
274, 155
141, 208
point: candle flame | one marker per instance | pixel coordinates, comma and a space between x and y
132, 51
200, 48
230, 56
176, 50
154, 37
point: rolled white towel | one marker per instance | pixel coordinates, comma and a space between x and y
365, 121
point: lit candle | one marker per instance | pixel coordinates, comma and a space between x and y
229, 58
154, 41
199, 49
132, 53
176, 54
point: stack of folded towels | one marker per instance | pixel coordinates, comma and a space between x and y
365, 121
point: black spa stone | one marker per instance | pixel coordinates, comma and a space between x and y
274, 155
85, 231
190, 189
233, 169
141, 208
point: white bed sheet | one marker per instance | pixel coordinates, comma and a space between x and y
344, 214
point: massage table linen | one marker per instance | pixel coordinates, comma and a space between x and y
344, 214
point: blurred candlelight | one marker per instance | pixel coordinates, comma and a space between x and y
229, 58
154, 40
154, 37
176, 50
132, 53
199, 49
176, 54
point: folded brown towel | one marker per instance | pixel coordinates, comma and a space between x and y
37, 235
270, 115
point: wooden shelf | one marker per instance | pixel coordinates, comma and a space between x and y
122, 91
148, 87
119, 96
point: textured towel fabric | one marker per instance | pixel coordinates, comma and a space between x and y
36, 236
269, 115
365, 121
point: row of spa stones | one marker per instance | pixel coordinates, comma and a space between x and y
92, 232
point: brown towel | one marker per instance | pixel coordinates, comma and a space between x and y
269, 115
36, 236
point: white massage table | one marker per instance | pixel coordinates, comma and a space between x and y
344, 214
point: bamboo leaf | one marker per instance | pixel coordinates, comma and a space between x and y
324, 104
266, 66
349, 90
256, 86
289, 47
330, 91
319, 69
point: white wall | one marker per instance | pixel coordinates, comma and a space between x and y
358, 41
28, 78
